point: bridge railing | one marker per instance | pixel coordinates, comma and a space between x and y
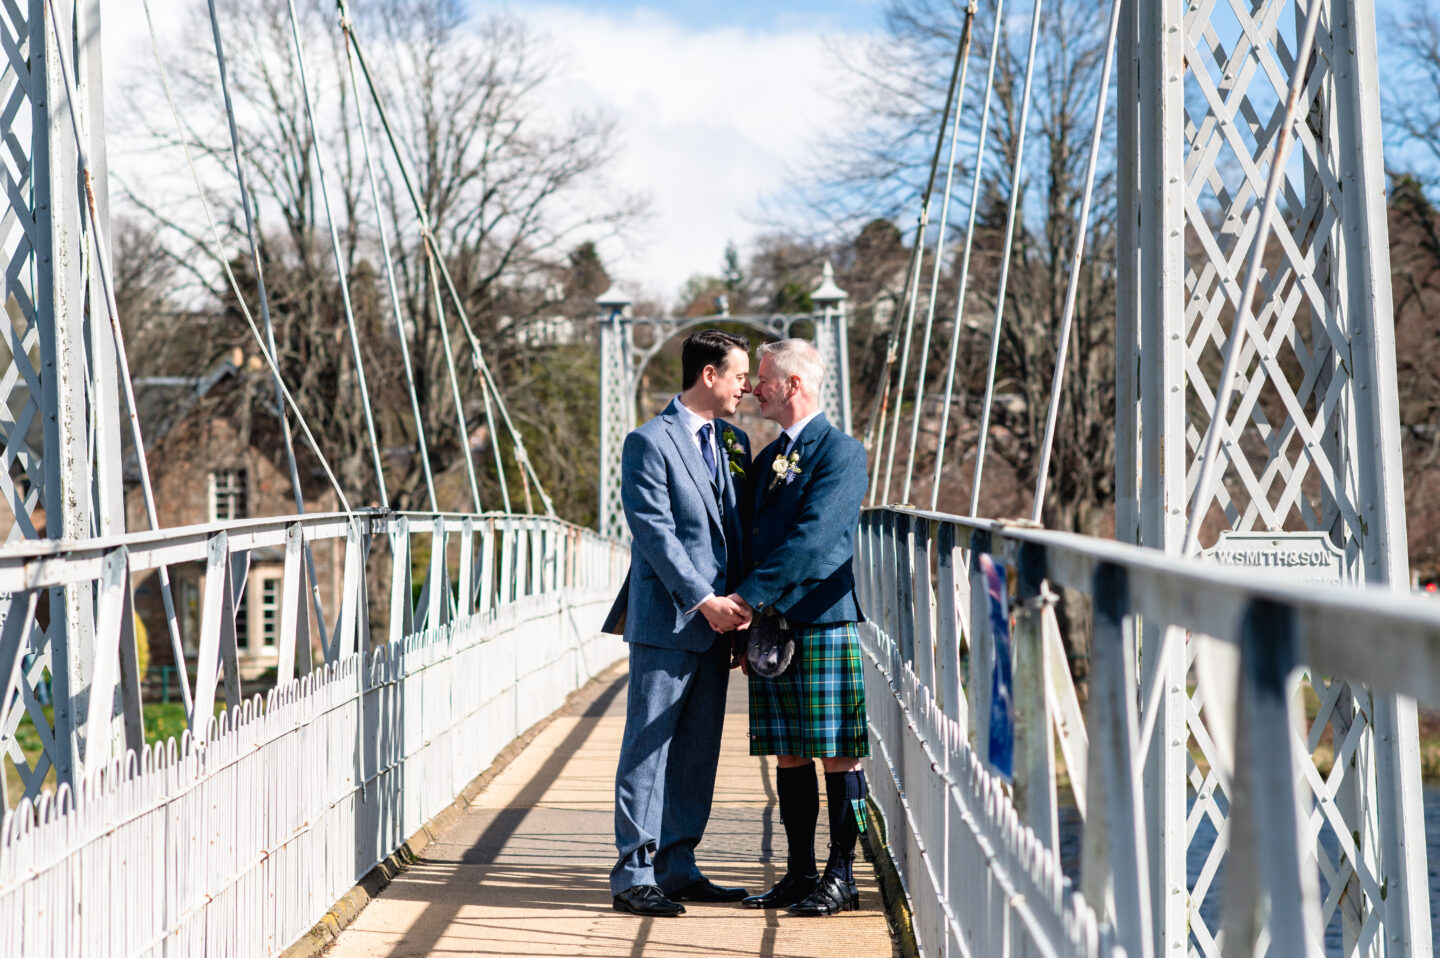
953, 821
237, 837
979, 881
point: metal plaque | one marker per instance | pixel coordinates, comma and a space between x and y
1302, 556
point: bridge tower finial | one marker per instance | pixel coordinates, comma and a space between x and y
613, 300
827, 294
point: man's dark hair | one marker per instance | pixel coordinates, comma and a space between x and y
707, 347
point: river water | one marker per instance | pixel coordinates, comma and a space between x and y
1205, 838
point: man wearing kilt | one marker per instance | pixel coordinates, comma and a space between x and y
807, 488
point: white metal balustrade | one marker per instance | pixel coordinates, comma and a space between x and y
979, 881
979, 859
238, 837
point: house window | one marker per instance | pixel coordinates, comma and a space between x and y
269, 611
228, 499
189, 613
242, 621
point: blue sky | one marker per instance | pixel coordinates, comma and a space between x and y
757, 15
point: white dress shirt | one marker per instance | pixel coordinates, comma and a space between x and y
796, 428
693, 423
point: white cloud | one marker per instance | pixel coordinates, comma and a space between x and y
711, 120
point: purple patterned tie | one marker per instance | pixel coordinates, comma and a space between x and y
707, 449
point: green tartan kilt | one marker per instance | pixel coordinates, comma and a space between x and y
816, 707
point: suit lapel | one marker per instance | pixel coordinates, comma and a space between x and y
734, 527
761, 466
811, 434
689, 455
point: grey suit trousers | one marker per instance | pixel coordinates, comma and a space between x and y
665, 779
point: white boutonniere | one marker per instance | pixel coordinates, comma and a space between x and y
785, 469
735, 451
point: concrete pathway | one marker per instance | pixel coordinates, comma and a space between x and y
525, 870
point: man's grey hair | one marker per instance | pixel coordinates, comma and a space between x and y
796, 357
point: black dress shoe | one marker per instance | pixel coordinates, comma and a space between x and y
830, 896
647, 900
704, 889
787, 891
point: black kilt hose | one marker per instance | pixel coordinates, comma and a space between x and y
816, 707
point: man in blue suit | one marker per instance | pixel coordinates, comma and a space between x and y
807, 491
682, 473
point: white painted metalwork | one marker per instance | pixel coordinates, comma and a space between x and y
238, 837
979, 880
623, 362
1281, 889
1309, 441
59, 390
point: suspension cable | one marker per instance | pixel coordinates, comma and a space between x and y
364, 129
267, 344
434, 282
427, 234
1005, 258
965, 39
495, 445
269, 351
102, 269
912, 290
880, 403
964, 285
1244, 312
1071, 290
478, 358
340, 271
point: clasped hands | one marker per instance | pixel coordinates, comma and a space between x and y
726, 613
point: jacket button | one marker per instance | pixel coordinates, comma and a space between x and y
754, 564
754, 530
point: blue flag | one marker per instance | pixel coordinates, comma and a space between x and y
1001, 747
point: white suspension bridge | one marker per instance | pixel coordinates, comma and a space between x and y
1251, 229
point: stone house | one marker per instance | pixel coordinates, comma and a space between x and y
212, 459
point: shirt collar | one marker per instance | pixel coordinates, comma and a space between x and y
692, 420
796, 428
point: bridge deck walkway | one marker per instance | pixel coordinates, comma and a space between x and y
524, 870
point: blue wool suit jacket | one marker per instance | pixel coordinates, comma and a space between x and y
802, 533
687, 536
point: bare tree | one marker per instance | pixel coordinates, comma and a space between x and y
500, 179
145, 285
902, 80
878, 170
1411, 105
1412, 112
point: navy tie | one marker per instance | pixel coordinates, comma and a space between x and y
707, 449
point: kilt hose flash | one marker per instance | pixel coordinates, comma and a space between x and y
816, 707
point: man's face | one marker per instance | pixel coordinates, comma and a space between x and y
772, 390
730, 383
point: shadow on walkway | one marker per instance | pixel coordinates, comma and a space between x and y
525, 871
